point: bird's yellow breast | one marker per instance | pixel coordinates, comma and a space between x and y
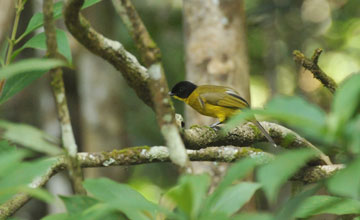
204, 108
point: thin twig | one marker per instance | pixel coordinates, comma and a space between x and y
313, 67
144, 155
19, 5
151, 56
57, 85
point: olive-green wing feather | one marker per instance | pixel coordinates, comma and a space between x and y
225, 97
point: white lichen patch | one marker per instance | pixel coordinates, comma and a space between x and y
165, 101
68, 139
60, 97
332, 168
92, 157
36, 182
142, 70
83, 156
228, 153
115, 45
156, 152
167, 118
155, 71
108, 162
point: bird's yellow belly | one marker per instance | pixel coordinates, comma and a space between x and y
219, 112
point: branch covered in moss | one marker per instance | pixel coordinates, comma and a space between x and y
112, 51
316, 173
57, 85
202, 136
312, 66
143, 155
151, 56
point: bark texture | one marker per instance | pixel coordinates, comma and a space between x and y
216, 54
215, 44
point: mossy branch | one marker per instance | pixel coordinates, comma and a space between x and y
247, 134
112, 51
313, 67
57, 85
145, 154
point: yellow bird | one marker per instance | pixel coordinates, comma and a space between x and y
215, 101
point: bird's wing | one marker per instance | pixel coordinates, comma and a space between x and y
228, 98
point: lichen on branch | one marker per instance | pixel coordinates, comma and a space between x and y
112, 51
198, 137
57, 85
313, 67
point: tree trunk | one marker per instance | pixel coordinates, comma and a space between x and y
216, 54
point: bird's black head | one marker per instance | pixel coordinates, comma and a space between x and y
182, 89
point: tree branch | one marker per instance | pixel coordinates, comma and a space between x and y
202, 136
112, 51
143, 155
151, 57
312, 66
57, 85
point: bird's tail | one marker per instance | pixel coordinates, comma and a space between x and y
265, 133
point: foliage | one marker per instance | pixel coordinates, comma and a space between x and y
16, 175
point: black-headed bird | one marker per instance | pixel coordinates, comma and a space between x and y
215, 101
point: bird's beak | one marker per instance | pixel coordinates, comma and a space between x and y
171, 94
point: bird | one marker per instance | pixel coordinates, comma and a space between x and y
219, 102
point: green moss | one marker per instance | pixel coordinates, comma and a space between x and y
195, 126
125, 152
257, 132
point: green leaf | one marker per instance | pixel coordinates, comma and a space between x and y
29, 137
190, 193
39, 42
26, 172
234, 197
239, 170
37, 19
9, 158
38, 193
352, 131
294, 111
102, 211
346, 103
121, 197
77, 204
29, 65
17, 83
236, 172
289, 208
274, 174
21, 176
316, 205
60, 216
253, 216
3, 49
346, 182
